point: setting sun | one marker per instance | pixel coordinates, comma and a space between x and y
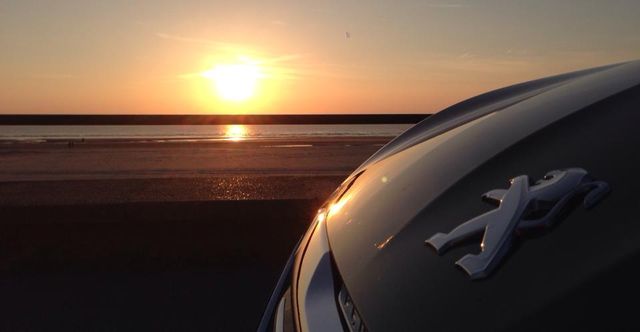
234, 82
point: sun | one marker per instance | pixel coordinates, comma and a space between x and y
236, 81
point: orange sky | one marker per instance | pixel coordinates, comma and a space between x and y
73, 56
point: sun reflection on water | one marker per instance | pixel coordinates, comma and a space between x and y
235, 132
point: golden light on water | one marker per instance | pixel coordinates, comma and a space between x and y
235, 132
235, 82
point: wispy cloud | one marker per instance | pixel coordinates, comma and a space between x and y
229, 48
191, 40
279, 23
234, 48
280, 66
466, 55
274, 65
283, 58
52, 76
445, 5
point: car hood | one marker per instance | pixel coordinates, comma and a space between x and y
430, 179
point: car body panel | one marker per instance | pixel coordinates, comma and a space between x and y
430, 181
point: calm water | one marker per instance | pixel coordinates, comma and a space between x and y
209, 132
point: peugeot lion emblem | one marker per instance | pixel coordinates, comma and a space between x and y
521, 207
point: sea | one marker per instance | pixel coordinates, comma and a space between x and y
160, 133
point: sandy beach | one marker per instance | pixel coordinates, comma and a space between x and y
112, 159
122, 235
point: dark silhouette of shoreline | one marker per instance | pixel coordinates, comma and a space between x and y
195, 119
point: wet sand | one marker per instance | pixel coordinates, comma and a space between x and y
103, 159
156, 236
203, 188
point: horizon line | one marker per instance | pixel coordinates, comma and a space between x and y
207, 119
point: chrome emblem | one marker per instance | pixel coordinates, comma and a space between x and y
523, 206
